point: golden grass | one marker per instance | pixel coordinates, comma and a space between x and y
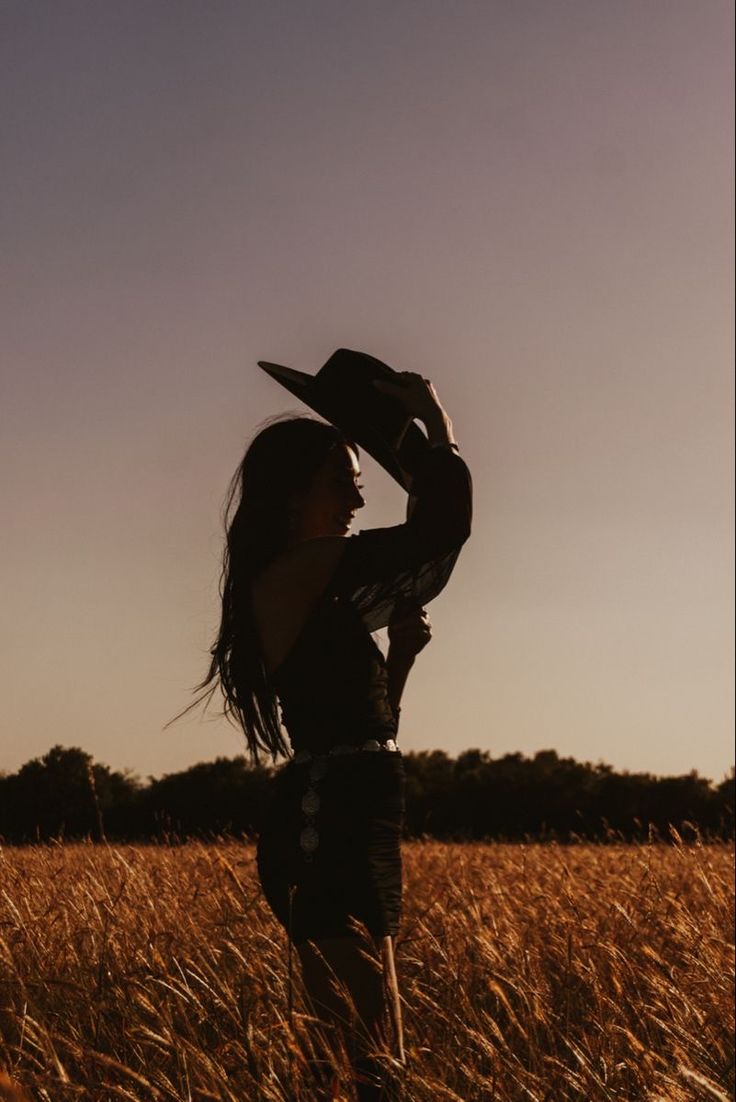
528, 972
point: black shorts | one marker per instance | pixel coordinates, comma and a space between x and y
351, 867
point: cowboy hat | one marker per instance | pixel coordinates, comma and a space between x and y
342, 393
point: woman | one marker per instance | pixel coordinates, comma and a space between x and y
299, 602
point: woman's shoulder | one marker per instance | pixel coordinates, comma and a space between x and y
287, 591
305, 567
289, 588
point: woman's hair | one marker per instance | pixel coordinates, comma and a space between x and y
281, 462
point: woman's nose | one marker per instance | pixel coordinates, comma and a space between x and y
358, 499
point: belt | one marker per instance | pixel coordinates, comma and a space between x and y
371, 745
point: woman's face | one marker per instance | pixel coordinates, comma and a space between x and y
328, 507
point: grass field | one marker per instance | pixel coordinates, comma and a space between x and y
529, 972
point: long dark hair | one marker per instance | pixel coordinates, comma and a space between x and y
280, 462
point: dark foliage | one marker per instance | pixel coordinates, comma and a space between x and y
225, 796
513, 797
65, 795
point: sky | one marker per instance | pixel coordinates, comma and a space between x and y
529, 203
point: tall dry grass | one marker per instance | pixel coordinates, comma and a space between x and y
528, 972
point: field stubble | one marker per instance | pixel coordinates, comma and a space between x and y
529, 973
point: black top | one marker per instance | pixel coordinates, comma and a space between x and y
332, 685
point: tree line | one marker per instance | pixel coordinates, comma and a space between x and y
66, 795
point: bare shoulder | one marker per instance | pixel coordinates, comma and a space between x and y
305, 568
285, 593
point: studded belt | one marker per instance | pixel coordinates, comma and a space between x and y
371, 744
310, 802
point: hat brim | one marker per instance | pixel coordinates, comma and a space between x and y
396, 461
293, 380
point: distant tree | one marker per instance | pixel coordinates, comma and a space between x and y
62, 794
428, 792
223, 796
724, 803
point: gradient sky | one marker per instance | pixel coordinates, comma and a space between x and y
529, 202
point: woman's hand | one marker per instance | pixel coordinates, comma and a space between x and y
409, 630
415, 393
420, 400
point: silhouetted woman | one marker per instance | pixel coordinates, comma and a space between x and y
300, 599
